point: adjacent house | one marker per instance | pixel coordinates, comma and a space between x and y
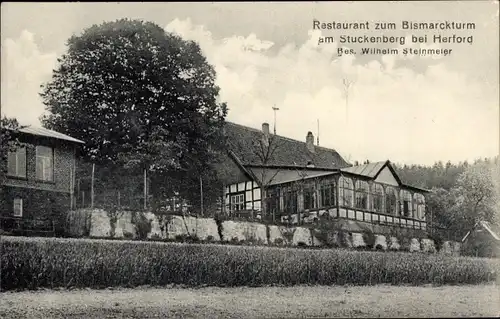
294, 181
39, 175
483, 240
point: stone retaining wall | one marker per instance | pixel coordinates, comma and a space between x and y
174, 227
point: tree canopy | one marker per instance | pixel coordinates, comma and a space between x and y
140, 98
461, 194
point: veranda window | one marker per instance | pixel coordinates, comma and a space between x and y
391, 201
346, 191
361, 194
290, 201
407, 205
309, 197
273, 201
419, 209
328, 194
377, 198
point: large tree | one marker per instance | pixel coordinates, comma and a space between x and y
473, 197
140, 98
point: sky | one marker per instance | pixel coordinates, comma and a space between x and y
408, 109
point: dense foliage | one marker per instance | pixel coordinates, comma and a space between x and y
461, 194
141, 99
37, 263
8, 141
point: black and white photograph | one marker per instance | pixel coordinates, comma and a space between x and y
311, 159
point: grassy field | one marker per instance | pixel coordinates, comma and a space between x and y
31, 263
261, 302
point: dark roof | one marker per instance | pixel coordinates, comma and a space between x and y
41, 131
246, 144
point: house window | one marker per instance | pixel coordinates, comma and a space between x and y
290, 201
328, 194
391, 201
18, 207
419, 210
44, 163
346, 191
309, 198
361, 194
237, 202
16, 162
377, 198
407, 208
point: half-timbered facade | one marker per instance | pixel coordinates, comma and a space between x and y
297, 182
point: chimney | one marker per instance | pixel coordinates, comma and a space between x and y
265, 129
265, 132
310, 142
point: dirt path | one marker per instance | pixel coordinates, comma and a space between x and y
269, 302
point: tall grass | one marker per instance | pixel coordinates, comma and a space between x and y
51, 263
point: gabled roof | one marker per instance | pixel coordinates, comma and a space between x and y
372, 170
493, 230
41, 131
245, 143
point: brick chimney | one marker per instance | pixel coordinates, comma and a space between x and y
310, 142
265, 133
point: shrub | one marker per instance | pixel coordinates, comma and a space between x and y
185, 238
155, 237
181, 238
31, 263
128, 235
78, 223
142, 225
278, 241
369, 239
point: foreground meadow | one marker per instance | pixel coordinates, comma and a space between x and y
260, 302
32, 263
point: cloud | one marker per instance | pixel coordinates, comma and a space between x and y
393, 112
24, 69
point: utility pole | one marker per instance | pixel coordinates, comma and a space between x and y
92, 187
347, 86
317, 137
275, 109
145, 190
201, 196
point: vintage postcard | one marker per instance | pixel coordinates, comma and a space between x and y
250, 160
